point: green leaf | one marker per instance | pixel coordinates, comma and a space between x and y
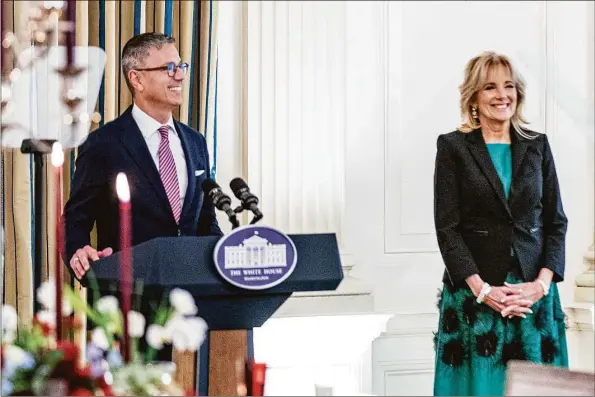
53, 357
31, 339
136, 356
163, 311
94, 316
22, 380
138, 292
150, 355
78, 303
162, 315
94, 285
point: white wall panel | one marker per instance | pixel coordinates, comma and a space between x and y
428, 45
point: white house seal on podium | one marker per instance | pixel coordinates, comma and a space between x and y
255, 257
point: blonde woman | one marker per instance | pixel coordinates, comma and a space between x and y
501, 230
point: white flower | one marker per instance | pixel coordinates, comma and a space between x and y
175, 322
156, 336
198, 324
198, 330
136, 324
9, 323
16, 356
46, 295
8, 336
99, 339
182, 302
107, 304
181, 339
186, 334
47, 317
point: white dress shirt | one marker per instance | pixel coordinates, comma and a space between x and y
149, 127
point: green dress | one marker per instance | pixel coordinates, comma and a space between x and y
473, 342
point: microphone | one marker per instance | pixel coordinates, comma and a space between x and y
220, 200
249, 201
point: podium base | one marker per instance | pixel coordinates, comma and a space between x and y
228, 352
219, 369
185, 369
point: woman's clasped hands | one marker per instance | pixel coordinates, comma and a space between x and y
509, 300
514, 299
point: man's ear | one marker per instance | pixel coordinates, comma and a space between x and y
135, 80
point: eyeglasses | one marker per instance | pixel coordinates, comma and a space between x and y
171, 69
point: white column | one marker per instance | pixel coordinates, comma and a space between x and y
252, 256
581, 318
581, 312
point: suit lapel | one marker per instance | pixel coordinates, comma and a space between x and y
190, 166
134, 142
479, 150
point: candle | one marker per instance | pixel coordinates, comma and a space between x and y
71, 18
57, 158
258, 378
123, 192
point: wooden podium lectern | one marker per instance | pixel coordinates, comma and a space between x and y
231, 312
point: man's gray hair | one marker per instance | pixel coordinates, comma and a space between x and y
137, 49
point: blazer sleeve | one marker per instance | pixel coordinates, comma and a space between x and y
455, 253
555, 222
207, 218
80, 211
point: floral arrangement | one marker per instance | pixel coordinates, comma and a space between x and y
33, 362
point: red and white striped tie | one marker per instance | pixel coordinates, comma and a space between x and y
168, 173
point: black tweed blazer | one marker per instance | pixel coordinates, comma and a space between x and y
476, 226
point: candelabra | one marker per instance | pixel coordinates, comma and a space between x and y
48, 24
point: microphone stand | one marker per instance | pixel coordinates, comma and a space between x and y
255, 219
233, 220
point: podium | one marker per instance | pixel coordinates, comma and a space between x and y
231, 313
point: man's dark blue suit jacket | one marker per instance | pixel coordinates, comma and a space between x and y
117, 147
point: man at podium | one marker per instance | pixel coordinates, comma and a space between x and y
164, 160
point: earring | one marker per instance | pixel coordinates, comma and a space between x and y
474, 113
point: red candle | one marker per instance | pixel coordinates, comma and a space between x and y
57, 161
258, 378
125, 258
70, 36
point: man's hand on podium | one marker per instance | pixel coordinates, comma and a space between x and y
80, 261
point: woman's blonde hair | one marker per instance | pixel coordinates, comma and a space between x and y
476, 73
